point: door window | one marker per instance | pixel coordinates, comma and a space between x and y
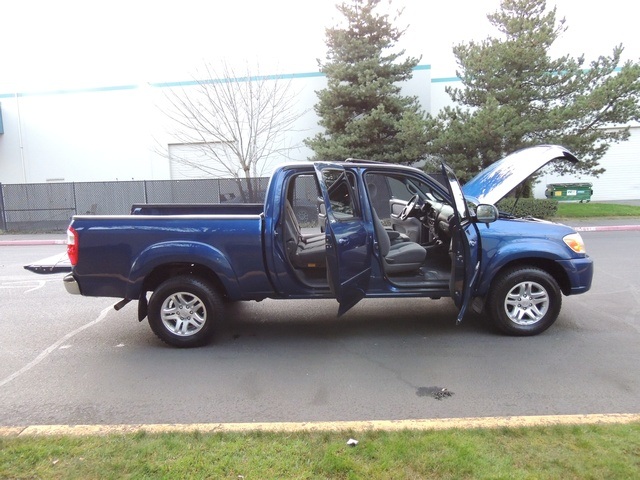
341, 194
302, 194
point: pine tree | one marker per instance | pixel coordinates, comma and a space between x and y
517, 96
361, 110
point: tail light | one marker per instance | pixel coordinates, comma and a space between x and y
72, 245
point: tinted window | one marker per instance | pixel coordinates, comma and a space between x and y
303, 196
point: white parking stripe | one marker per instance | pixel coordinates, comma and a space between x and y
41, 284
54, 347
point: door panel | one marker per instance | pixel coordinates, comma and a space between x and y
348, 243
465, 262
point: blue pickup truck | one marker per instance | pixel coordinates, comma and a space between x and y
381, 230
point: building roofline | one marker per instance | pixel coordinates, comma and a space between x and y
171, 84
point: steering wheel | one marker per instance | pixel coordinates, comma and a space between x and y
406, 211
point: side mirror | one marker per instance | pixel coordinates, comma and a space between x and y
486, 213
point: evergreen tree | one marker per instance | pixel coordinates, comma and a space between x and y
517, 96
361, 110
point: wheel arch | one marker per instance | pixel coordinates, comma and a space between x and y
548, 265
166, 271
160, 262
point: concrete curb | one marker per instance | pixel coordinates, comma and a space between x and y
358, 426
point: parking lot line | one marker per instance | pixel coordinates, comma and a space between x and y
47, 351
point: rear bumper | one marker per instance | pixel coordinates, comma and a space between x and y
70, 285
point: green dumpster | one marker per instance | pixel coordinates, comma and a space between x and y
569, 192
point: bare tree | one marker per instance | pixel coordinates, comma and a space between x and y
234, 122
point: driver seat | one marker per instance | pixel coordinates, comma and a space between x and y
397, 257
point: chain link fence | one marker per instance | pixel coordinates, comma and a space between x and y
48, 207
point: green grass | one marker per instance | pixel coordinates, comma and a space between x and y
568, 452
592, 210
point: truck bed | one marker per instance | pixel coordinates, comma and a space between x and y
116, 253
197, 209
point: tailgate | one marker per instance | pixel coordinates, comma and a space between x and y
55, 264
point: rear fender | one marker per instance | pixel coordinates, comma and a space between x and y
182, 252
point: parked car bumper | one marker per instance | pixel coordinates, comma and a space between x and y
580, 272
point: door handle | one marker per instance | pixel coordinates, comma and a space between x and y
343, 241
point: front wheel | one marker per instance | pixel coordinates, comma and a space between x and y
524, 301
182, 311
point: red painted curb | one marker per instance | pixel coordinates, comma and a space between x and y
607, 228
8, 243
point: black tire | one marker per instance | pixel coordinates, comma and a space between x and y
524, 301
183, 310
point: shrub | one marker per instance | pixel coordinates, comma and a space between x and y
529, 207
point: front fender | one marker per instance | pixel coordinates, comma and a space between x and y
173, 252
494, 259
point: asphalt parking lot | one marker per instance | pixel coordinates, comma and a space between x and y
73, 360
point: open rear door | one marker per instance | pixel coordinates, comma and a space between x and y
465, 262
348, 244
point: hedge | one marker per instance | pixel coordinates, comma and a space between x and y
529, 207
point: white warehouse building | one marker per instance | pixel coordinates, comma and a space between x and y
121, 133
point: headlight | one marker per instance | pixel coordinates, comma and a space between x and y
574, 242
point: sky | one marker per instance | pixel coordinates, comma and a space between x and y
69, 44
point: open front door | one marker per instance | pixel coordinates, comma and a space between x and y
465, 262
348, 244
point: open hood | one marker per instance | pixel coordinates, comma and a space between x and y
497, 180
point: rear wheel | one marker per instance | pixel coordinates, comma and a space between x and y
183, 310
524, 301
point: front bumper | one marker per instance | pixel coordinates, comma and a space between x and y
580, 272
70, 284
